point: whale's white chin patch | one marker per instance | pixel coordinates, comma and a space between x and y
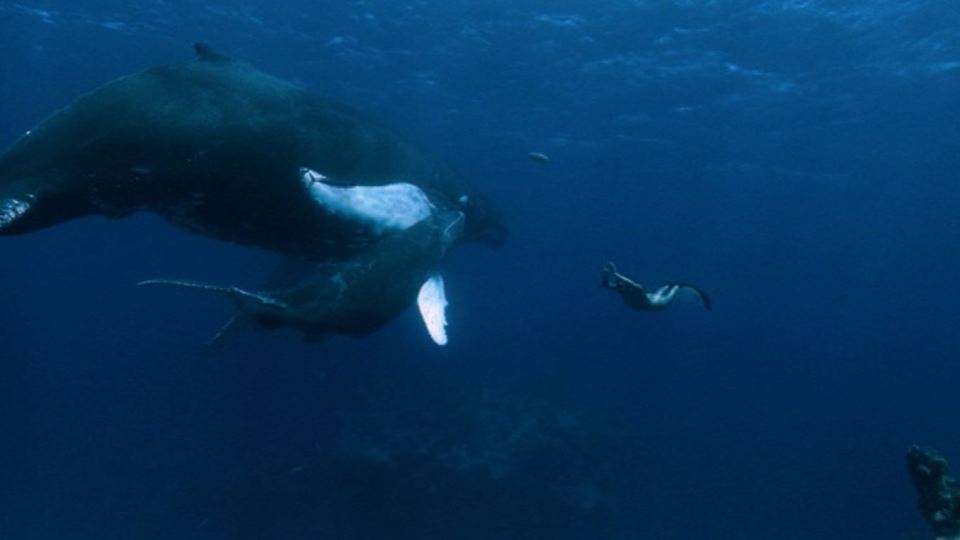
432, 301
11, 209
385, 208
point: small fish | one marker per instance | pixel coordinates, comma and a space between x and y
539, 157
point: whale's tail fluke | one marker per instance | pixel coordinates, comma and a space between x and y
26, 207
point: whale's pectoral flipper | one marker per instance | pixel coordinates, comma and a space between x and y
432, 301
18, 201
243, 298
386, 208
11, 210
27, 206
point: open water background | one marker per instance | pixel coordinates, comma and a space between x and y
797, 159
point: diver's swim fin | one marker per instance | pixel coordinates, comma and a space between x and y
697, 292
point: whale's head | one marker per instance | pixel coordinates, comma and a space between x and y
483, 222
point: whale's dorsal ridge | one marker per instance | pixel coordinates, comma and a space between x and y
206, 54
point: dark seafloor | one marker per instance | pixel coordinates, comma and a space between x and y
797, 159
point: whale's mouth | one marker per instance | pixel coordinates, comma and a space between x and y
383, 209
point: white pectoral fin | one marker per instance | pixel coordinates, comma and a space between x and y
383, 208
432, 302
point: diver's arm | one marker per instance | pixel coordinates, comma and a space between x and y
616, 280
609, 278
630, 283
634, 295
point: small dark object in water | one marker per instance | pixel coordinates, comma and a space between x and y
939, 492
539, 157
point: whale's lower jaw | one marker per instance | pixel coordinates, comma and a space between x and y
11, 210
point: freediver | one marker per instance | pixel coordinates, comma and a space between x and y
636, 297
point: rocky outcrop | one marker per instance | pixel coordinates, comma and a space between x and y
939, 492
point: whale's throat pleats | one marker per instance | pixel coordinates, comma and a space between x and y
385, 208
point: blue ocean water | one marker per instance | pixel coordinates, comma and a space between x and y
796, 159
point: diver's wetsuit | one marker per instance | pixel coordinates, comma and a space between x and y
636, 297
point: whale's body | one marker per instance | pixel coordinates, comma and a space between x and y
220, 148
358, 296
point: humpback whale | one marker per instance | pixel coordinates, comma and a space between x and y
358, 296
220, 148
